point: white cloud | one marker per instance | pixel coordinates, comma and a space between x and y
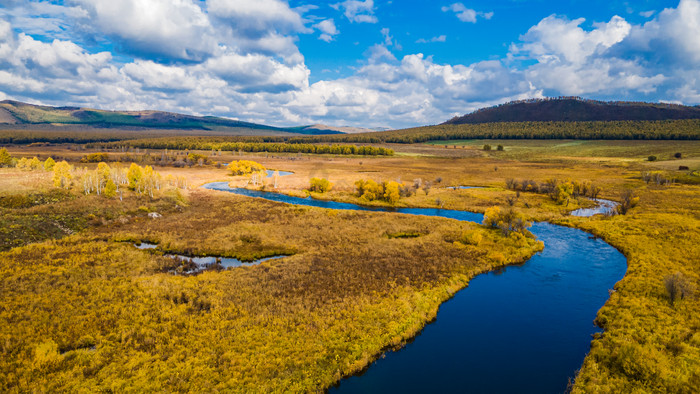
258, 15
558, 39
327, 29
231, 58
358, 11
177, 29
440, 38
466, 14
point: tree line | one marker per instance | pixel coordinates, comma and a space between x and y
236, 145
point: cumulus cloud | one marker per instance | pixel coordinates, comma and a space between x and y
169, 29
357, 11
327, 29
233, 58
258, 16
466, 14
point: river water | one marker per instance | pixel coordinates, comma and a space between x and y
522, 329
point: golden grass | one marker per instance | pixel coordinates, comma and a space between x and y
375, 297
86, 313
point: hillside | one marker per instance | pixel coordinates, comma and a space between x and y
18, 113
575, 109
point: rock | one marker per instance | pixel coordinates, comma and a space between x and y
154, 215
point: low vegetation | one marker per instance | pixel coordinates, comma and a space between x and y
319, 185
244, 167
88, 312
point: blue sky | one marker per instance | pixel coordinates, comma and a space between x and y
361, 63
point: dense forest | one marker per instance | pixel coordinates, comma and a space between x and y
688, 129
576, 109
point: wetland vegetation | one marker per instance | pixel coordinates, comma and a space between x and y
85, 310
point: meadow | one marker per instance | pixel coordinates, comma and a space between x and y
83, 309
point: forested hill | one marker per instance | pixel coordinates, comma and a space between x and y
575, 109
17, 114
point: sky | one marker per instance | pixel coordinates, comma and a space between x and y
363, 63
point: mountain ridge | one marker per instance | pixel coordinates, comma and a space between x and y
19, 113
576, 109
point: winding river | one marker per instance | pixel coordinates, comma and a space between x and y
522, 329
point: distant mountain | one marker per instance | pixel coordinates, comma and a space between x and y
18, 113
320, 128
576, 109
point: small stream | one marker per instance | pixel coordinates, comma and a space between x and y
522, 329
604, 207
204, 263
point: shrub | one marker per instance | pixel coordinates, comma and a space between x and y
49, 164
499, 148
95, 158
678, 287
110, 189
487, 147
628, 201
5, 159
651, 158
244, 167
320, 185
471, 238
508, 221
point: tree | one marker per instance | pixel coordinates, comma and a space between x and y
134, 175
678, 287
562, 192
49, 164
628, 201
508, 221
426, 187
22, 163
62, 175
391, 192
34, 164
320, 185
245, 167
110, 189
5, 159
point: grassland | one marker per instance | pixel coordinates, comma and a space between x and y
88, 312
349, 290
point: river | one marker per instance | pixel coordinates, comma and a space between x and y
523, 329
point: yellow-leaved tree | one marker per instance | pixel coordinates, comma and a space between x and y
134, 175
49, 164
509, 221
391, 192
62, 175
